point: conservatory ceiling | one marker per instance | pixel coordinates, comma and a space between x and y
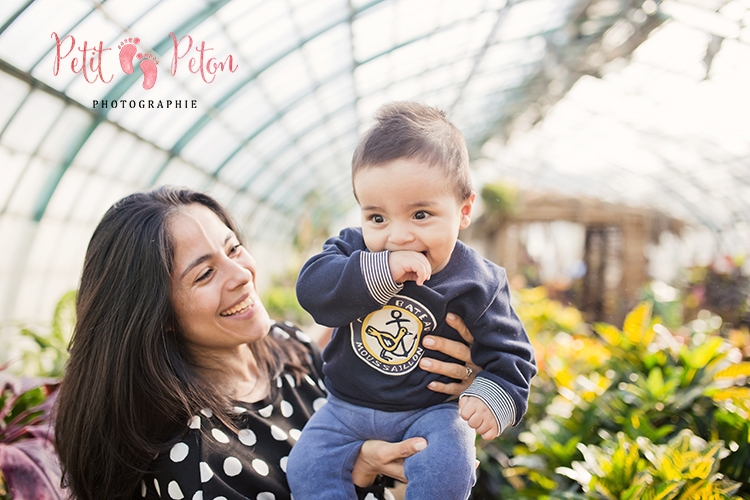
638, 102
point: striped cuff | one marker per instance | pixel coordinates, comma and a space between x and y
498, 401
377, 274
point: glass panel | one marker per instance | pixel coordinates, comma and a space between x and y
313, 16
240, 167
32, 122
13, 166
91, 153
180, 173
13, 91
270, 35
35, 177
211, 146
127, 11
21, 44
68, 192
248, 109
66, 132
165, 16
9, 8
330, 53
286, 80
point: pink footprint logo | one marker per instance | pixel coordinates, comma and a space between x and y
128, 50
148, 66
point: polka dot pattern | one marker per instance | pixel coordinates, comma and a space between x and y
247, 437
219, 436
266, 412
213, 462
260, 467
174, 491
286, 409
278, 433
179, 452
303, 337
206, 472
232, 466
318, 403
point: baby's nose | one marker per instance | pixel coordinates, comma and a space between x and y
401, 233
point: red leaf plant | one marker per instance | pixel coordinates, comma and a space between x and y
28, 463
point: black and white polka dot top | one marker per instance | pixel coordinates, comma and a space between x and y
219, 464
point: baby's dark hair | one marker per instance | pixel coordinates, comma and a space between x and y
411, 130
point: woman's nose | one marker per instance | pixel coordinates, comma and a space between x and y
239, 275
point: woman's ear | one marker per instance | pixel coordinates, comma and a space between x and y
466, 208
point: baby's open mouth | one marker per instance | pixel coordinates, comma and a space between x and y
241, 307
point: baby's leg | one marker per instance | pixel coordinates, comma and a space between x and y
446, 468
320, 464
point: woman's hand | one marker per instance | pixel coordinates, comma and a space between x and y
456, 350
380, 457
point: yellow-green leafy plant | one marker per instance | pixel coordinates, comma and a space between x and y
642, 383
685, 468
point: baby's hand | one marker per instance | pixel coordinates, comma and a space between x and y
479, 417
409, 266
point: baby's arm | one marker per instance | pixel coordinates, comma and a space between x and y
479, 416
407, 265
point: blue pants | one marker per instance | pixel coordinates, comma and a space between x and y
320, 464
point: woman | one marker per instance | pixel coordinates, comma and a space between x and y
178, 384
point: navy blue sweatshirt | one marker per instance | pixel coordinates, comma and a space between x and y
372, 358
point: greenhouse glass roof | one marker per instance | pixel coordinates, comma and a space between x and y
633, 101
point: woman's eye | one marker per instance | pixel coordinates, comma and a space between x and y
421, 215
204, 276
235, 248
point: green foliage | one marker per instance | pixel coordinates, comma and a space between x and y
639, 412
499, 199
281, 303
685, 467
40, 350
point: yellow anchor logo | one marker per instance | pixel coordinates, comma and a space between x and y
389, 342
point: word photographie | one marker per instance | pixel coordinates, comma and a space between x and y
146, 103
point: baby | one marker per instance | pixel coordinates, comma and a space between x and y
383, 287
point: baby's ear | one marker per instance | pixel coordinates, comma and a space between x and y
466, 208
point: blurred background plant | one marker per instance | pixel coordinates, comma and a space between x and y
646, 411
280, 300
33, 360
39, 350
658, 408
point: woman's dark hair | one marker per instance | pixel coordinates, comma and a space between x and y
131, 384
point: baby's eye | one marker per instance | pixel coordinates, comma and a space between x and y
421, 215
377, 219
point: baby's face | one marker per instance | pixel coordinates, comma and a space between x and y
408, 205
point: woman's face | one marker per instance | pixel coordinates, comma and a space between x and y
213, 284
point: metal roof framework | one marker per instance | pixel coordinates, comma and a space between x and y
273, 140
